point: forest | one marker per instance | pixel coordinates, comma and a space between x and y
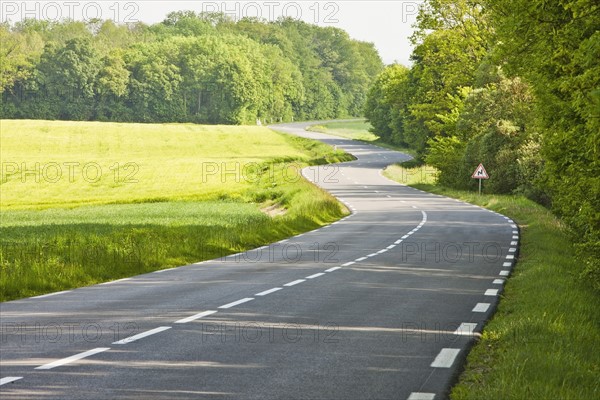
512, 84
192, 67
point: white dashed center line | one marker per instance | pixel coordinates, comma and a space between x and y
235, 303
266, 292
315, 275
195, 317
76, 357
333, 269
9, 379
143, 335
293, 283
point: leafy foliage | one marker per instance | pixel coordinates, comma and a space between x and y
202, 68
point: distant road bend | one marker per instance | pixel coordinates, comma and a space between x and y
383, 304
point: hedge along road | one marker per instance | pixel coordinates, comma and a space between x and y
381, 304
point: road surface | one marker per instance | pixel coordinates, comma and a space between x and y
383, 304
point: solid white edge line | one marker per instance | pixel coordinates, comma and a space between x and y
118, 280
315, 275
142, 335
294, 283
235, 303
333, 269
491, 292
49, 294
481, 307
445, 358
75, 357
421, 396
195, 317
266, 292
9, 379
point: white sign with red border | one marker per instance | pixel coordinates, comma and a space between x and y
480, 173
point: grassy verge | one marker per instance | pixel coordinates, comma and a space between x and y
357, 130
542, 343
57, 234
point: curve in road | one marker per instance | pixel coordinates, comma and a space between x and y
382, 304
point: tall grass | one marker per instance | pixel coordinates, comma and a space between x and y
49, 243
543, 341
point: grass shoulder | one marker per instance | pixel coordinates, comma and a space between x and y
199, 193
542, 341
358, 129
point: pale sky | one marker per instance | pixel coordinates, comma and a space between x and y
388, 24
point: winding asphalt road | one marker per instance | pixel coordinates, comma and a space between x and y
383, 304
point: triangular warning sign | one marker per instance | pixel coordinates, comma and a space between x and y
480, 173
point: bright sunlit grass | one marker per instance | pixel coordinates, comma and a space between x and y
199, 192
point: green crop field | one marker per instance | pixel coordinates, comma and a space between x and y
358, 129
86, 202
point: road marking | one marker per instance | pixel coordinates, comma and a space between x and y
50, 294
512, 249
446, 358
361, 259
405, 236
76, 357
504, 273
398, 242
513, 226
421, 396
507, 264
235, 303
266, 292
515, 232
414, 206
142, 335
372, 255
481, 307
169, 269
315, 275
510, 257
511, 221
466, 329
9, 379
348, 263
516, 237
498, 281
382, 251
514, 243
387, 195
293, 283
195, 317
118, 280
491, 292
333, 269
391, 246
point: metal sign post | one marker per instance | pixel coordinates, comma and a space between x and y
480, 173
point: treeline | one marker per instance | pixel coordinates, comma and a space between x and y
514, 84
202, 68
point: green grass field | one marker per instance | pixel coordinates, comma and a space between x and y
542, 343
356, 130
86, 202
